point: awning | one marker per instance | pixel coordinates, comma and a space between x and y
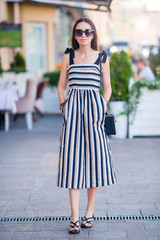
93, 5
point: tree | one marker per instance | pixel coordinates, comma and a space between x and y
121, 72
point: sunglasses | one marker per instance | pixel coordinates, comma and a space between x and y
79, 32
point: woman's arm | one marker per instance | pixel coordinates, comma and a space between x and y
62, 85
138, 76
107, 90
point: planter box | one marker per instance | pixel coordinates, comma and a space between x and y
147, 119
51, 99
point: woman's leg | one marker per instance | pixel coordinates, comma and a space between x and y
74, 201
92, 193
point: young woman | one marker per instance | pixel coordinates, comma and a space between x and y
85, 153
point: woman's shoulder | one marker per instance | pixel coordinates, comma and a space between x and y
68, 50
104, 55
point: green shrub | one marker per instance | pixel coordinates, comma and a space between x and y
53, 76
154, 61
135, 93
1, 69
18, 63
120, 72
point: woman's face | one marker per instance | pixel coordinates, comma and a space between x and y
140, 65
84, 40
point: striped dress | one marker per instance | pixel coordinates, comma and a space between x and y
85, 158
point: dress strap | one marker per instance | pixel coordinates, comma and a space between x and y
71, 56
103, 56
98, 59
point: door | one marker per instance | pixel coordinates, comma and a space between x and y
35, 47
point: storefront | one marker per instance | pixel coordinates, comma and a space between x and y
46, 27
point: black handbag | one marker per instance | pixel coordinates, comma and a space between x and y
109, 124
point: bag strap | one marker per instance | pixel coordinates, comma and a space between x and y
104, 54
101, 81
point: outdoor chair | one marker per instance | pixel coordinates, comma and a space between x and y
39, 105
25, 105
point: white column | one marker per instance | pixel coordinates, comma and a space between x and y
16, 13
4, 52
3, 11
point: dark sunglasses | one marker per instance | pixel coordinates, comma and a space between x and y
79, 32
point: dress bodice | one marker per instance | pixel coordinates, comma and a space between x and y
102, 55
86, 76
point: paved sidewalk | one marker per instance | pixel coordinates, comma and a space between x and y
28, 166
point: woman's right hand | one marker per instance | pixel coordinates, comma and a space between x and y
61, 106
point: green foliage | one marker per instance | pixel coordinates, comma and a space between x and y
1, 69
154, 61
54, 77
120, 71
19, 63
135, 93
158, 71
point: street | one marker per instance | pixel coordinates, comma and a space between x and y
28, 167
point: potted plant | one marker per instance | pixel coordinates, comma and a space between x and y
154, 60
120, 72
50, 96
1, 69
136, 89
53, 76
19, 64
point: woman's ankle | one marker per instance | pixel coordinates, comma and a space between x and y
89, 212
74, 217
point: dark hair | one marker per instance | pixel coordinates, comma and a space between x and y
141, 60
94, 44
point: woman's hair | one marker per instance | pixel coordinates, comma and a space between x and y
142, 60
94, 43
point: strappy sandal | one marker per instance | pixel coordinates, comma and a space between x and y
72, 226
85, 220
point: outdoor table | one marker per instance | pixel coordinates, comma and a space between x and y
8, 97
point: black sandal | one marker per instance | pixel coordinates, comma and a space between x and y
86, 221
72, 226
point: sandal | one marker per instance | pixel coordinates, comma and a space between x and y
74, 225
85, 220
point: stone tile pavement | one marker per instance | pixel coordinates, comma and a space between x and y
28, 165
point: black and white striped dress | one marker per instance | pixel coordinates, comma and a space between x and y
85, 158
